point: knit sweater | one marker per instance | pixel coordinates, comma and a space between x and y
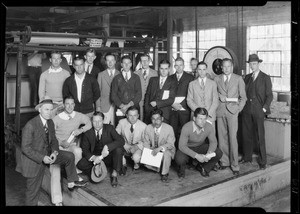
51, 84
64, 128
189, 139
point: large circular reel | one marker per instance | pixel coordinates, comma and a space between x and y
213, 58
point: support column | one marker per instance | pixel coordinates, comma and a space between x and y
170, 37
18, 91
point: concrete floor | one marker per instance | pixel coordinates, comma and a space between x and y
15, 194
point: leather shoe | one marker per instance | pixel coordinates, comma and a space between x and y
221, 167
243, 161
164, 178
202, 171
262, 166
114, 181
78, 184
123, 170
236, 172
215, 168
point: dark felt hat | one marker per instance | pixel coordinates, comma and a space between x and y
253, 57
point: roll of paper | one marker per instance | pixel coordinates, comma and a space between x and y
54, 38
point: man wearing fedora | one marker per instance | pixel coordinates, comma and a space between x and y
40, 149
101, 143
259, 97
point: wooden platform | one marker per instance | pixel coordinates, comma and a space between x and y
144, 187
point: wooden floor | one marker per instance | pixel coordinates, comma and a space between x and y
144, 187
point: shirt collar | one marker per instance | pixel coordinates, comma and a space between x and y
204, 79
255, 73
100, 131
227, 76
80, 79
44, 121
52, 70
65, 116
158, 130
196, 128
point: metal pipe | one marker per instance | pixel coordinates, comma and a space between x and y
18, 91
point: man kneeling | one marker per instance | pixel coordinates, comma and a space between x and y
101, 143
192, 144
159, 137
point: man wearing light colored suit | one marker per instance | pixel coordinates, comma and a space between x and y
204, 95
104, 103
132, 130
39, 149
160, 137
145, 73
232, 98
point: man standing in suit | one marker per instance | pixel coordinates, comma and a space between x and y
232, 98
83, 87
193, 145
145, 73
160, 93
104, 103
259, 94
89, 66
203, 93
194, 65
126, 89
181, 112
132, 130
160, 137
101, 143
39, 149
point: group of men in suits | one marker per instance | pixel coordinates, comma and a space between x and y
153, 110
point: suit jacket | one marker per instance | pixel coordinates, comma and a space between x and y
182, 87
123, 92
123, 128
145, 82
95, 71
154, 93
109, 137
211, 96
263, 90
89, 94
166, 138
236, 89
34, 146
104, 81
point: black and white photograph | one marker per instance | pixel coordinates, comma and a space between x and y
122, 105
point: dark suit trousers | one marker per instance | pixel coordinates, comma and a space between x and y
113, 159
182, 159
34, 74
254, 133
34, 184
177, 120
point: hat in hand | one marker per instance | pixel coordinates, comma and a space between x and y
99, 172
45, 100
253, 58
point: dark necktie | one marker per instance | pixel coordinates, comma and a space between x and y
131, 128
126, 76
98, 136
145, 74
47, 132
88, 69
156, 137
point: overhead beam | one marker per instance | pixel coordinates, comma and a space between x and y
97, 12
